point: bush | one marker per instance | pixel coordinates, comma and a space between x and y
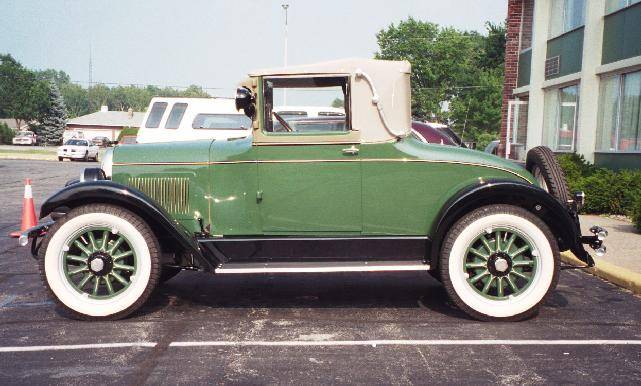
636, 213
607, 191
6, 133
127, 131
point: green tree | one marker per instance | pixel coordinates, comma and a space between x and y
55, 119
464, 68
23, 96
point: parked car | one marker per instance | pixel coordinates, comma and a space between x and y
362, 196
102, 141
187, 119
25, 138
78, 149
430, 132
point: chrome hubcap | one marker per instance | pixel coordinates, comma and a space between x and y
501, 265
97, 265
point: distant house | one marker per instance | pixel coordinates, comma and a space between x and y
103, 123
11, 123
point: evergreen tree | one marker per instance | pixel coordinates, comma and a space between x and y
55, 119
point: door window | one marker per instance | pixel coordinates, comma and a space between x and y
306, 105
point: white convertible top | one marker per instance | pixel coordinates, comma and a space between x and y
380, 93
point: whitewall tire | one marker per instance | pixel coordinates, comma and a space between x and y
100, 262
499, 262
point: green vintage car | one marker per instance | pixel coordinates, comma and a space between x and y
343, 189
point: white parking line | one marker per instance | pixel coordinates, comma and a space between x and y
75, 346
292, 343
407, 342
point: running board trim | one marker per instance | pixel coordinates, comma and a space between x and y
323, 267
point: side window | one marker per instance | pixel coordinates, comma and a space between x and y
321, 105
176, 115
155, 116
221, 121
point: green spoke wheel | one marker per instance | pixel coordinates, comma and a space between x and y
500, 263
99, 262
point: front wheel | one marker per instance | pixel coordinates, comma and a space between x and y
499, 263
100, 262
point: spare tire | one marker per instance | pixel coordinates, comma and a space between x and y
542, 163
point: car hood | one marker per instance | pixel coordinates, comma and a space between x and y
414, 147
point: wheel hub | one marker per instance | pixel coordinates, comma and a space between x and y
100, 263
499, 264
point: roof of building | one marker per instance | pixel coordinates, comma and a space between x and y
12, 123
108, 118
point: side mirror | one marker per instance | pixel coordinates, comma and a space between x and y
245, 100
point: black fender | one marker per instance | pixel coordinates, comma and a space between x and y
563, 222
108, 192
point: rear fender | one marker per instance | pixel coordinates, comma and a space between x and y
108, 192
563, 222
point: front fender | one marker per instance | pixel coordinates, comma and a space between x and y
563, 222
108, 192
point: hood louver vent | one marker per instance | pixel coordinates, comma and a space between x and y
172, 193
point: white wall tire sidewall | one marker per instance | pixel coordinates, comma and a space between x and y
523, 302
73, 299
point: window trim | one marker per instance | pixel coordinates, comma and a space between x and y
182, 115
347, 106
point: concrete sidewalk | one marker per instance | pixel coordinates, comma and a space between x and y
623, 242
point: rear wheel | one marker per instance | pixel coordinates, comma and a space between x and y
100, 262
542, 163
60, 159
499, 263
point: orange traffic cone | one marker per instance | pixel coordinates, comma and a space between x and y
28, 210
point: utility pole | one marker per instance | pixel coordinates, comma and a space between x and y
90, 80
285, 7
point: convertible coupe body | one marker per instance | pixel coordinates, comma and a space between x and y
342, 192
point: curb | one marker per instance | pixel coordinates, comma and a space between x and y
617, 275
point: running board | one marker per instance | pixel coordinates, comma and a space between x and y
300, 267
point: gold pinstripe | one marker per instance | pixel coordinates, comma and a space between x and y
324, 160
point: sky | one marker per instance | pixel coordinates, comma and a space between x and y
210, 43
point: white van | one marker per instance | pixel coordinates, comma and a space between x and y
186, 119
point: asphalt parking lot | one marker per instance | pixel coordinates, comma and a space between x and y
299, 329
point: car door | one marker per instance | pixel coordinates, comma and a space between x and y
309, 169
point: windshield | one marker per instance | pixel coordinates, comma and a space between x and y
76, 142
24, 134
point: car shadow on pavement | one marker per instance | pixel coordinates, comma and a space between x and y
338, 291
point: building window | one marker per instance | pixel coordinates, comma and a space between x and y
615, 5
619, 116
561, 111
566, 15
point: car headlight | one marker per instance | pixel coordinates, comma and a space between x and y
107, 162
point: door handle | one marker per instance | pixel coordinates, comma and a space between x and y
353, 150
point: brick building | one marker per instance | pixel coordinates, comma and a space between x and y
573, 79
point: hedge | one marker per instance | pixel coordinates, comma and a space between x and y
6, 134
127, 131
607, 191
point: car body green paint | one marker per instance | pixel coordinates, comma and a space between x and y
386, 189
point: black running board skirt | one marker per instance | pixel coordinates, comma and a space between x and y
323, 267
288, 249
